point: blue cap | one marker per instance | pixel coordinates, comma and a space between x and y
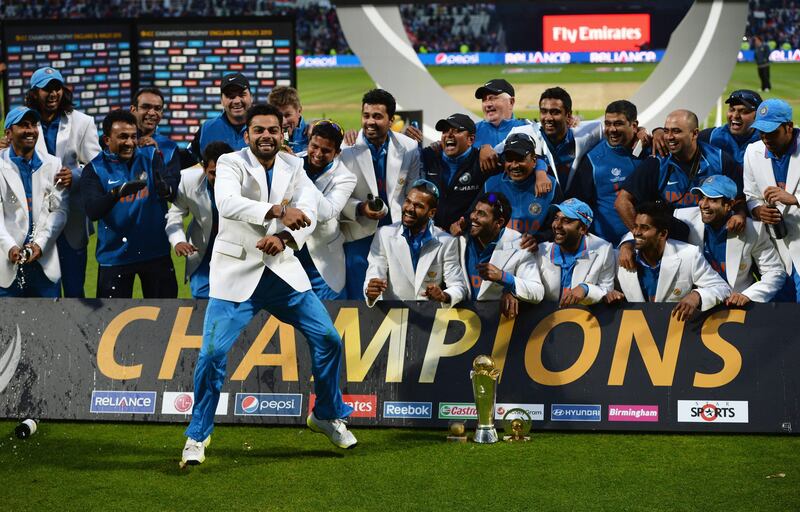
576, 209
16, 115
717, 186
43, 76
771, 114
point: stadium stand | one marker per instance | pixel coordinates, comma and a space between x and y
776, 22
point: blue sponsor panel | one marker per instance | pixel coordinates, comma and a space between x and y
575, 412
268, 404
792, 55
401, 410
122, 402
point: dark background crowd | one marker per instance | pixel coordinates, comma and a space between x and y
430, 27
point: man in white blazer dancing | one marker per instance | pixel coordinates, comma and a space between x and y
266, 203
668, 270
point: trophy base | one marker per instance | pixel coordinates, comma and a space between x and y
485, 435
513, 439
457, 439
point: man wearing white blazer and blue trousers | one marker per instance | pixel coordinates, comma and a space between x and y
267, 208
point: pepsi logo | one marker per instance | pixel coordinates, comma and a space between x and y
441, 58
250, 404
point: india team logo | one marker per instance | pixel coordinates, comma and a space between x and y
250, 404
535, 208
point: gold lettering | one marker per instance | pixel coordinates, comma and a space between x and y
436, 346
178, 340
393, 328
591, 347
286, 358
731, 357
501, 341
661, 370
106, 363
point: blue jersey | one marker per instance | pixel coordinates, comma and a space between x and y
487, 133
133, 231
218, 129
722, 138
298, 142
670, 180
597, 182
167, 146
528, 212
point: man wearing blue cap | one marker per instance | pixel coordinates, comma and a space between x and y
771, 179
667, 270
34, 211
578, 267
733, 255
71, 136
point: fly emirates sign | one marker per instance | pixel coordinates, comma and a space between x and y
595, 32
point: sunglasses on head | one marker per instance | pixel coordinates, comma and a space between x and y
429, 187
328, 122
494, 201
748, 97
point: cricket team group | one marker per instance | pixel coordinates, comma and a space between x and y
287, 212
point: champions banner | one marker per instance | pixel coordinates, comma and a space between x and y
407, 364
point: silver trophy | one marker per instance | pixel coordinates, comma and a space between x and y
484, 386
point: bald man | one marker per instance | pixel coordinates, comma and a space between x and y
672, 178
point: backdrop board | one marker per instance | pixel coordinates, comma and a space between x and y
94, 57
187, 59
630, 368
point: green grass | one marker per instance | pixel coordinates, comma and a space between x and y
94, 466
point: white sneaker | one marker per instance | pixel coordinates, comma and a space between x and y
207, 441
194, 452
336, 430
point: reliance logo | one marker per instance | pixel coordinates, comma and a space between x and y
121, 402
575, 412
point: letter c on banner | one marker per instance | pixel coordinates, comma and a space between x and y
106, 363
591, 347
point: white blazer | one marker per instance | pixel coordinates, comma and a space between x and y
325, 245
76, 145
740, 251
192, 198
683, 269
508, 257
587, 135
243, 201
758, 176
594, 268
402, 169
390, 258
49, 207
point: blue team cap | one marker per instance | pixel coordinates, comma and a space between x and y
771, 114
576, 209
717, 186
43, 76
16, 115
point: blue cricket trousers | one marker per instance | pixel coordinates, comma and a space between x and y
225, 320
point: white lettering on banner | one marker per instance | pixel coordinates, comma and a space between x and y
604, 33
537, 58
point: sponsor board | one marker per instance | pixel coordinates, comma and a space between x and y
575, 412
457, 410
622, 57
457, 59
397, 410
536, 411
123, 402
181, 402
713, 411
537, 58
633, 413
364, 406
316, 61
595, 32
268, 404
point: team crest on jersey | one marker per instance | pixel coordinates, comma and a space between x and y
616, 171
535, 208
676, 292
431, 274
464, 179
